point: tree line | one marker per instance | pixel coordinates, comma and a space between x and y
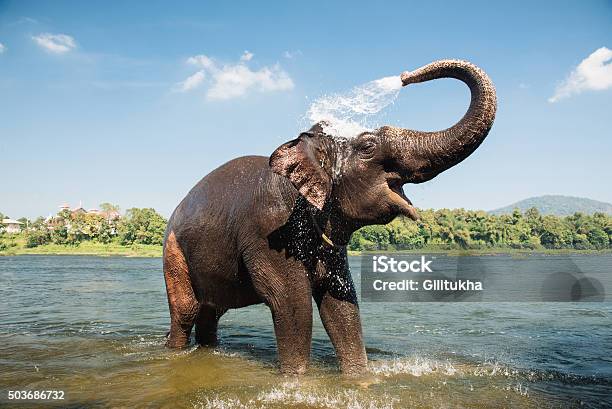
137, 226
468, 229
440, 229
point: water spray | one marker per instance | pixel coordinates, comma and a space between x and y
351, 113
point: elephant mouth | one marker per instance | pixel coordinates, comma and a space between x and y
395, 184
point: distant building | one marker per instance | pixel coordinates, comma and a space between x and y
77, 210
109, 216
12, 226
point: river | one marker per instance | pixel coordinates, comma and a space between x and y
94, 327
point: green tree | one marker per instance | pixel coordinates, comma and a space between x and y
142, 226
404, 234
556, 234
375, 237
109, 207
356, 242
598, 238
59, 234
38, 234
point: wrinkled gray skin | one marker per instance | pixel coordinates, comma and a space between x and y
252, 231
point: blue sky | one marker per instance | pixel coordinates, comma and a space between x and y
94, 105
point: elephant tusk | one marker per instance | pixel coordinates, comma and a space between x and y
327, 239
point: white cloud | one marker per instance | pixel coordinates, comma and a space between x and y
235, 80
200, 61
191, 82
55, 43
2, 48
247, 56
593, 73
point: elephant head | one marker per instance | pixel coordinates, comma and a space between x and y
361, 179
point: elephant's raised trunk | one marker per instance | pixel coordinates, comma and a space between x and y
426, 154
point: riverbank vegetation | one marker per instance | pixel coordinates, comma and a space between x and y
459, 229
140, 232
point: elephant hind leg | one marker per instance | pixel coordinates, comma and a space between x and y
206, 325
181, 299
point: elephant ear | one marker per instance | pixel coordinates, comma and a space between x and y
301, 161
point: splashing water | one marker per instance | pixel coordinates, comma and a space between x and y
352, 113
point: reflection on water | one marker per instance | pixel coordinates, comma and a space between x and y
94, 327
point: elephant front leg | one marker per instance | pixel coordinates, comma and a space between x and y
340, 316
293, 328
285, 288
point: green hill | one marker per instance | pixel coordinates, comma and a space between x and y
558, 205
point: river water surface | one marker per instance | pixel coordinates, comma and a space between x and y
94, 328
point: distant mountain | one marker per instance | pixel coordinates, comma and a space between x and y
558, 205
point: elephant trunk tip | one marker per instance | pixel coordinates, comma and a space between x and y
405, 77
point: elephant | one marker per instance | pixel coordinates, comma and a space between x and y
275, 230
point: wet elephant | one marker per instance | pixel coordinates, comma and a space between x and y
274, 230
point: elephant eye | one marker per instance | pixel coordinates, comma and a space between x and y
366, 148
